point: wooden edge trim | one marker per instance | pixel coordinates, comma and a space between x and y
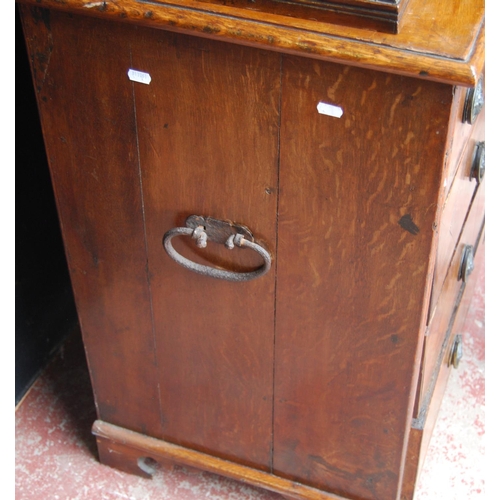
152, 447
267, 33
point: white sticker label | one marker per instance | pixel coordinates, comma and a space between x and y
139, 76
329, 109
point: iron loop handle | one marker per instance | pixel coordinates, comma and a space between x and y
200, 235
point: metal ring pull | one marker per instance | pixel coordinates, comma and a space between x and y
221, 232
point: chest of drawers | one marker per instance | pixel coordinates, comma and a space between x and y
346, 168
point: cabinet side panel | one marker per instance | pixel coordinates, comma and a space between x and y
358, 202
208, 131
86, 106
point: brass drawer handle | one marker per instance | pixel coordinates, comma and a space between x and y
204, 229
478, 163
456, 353
474, 103
466, 264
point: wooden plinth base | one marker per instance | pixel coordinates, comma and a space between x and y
136, 453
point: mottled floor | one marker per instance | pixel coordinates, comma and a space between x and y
56, 453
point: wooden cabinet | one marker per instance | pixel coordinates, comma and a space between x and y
321, 377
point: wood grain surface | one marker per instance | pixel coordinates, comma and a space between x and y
352, 277
306, 376
208, 139
122, 448
439, 40
87, 112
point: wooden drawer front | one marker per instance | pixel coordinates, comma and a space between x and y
451, 288
422, 428
462, 134
423, 425
455, 210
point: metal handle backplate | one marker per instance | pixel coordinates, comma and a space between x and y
205, 229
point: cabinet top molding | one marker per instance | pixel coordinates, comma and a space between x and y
438, 40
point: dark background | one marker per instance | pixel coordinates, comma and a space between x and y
45, 310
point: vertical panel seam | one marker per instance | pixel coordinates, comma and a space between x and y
278, 165
143, 212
